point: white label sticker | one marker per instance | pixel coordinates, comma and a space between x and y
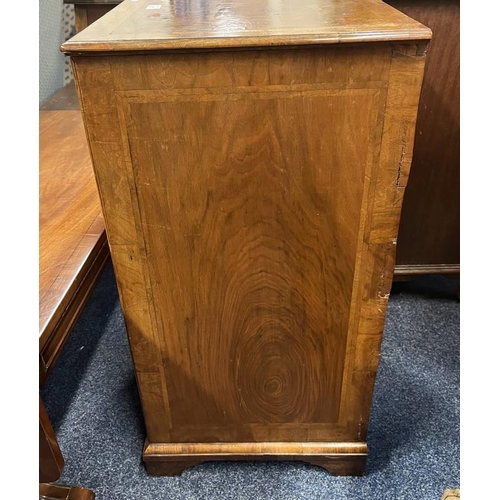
151, 7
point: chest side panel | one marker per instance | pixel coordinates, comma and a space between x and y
238, 194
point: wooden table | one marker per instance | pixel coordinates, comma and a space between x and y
252, 159
73, 251
73, 246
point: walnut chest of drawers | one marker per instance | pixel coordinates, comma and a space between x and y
251, 159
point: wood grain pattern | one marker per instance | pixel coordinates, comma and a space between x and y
252, 201
51, 461
72, 241
451, 495
339, 458
120, 210
264, 227
429, 234
132, 26
404, 271
429, 230
61, 492
377, 238
73, 251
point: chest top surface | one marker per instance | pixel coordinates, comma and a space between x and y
143, 25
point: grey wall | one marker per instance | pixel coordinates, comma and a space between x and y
51, 60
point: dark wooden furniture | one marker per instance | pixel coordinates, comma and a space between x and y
73, 246
51, 463
58, 492
251, 160
73, 251
429, 234
88, 11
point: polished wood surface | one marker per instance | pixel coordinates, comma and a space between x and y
404, 271
51, 461
338, 458
72, 241
72, 253
136, 26
429, 235
252, 201
429, 230
262, 214
60, 492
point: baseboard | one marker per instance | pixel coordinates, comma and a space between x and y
408, 271
169, 459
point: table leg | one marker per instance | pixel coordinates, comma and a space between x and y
51, 463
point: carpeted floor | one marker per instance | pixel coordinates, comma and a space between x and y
413, 438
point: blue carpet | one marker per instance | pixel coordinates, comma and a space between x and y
91, 398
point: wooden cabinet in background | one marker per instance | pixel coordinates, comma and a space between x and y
251, 159
88, 11
429, 234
